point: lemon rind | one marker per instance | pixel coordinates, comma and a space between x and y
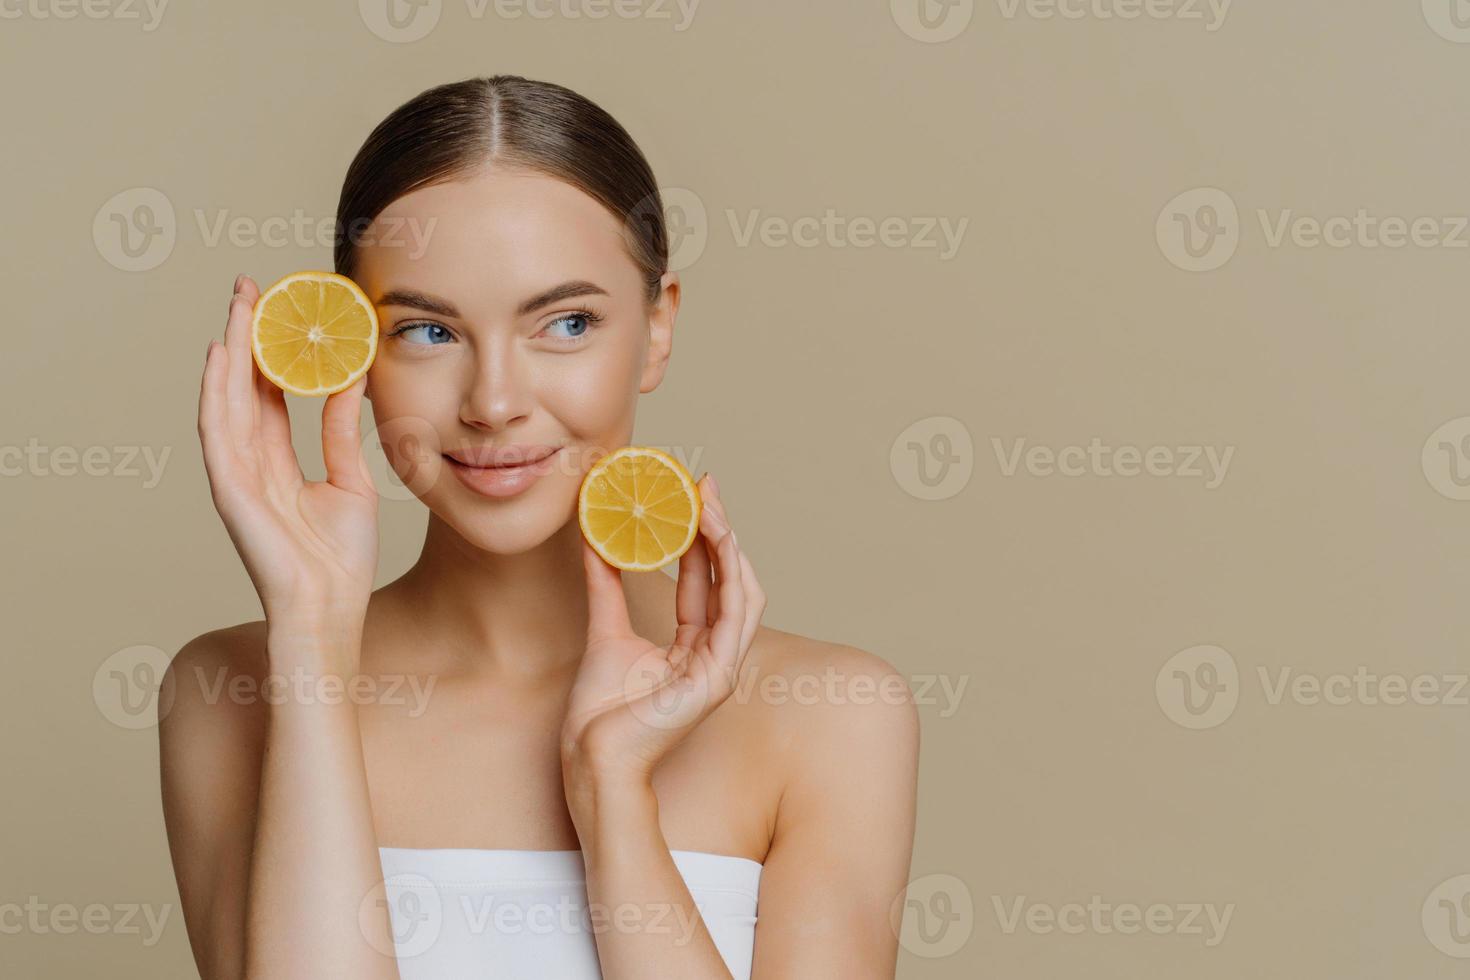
313, 275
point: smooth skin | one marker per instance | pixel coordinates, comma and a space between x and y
572, 706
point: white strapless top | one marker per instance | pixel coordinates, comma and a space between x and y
461, 914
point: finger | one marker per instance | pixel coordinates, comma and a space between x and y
692, 600
214, 436
713, 498
275, 427
240, 385
712, 527
755, 599
721, 524
755, 606
246, 289
342, 440
607, 607
725, 634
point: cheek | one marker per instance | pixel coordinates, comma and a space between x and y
593, 393
398, 392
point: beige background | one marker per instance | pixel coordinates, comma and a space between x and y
1334, 542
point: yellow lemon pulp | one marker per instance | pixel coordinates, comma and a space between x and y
639, 508
314, 333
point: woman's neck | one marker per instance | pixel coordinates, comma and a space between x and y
519, 615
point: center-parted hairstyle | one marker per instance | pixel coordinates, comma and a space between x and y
455, 129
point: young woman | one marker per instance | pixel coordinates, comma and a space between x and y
548, 805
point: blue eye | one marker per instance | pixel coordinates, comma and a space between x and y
408, 329
579, 325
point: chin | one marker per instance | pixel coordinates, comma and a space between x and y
509, 527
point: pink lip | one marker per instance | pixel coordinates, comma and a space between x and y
501, 455
501, 481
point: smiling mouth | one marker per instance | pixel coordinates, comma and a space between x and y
521, 464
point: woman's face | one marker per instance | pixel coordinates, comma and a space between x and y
513, 319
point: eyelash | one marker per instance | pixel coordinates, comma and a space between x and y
592, 318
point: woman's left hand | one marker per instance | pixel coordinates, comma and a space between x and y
633, 701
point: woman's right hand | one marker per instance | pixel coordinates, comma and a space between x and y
311, 548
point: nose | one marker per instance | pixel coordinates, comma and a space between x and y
499, 393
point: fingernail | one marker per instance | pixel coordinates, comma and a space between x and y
239, 279
713, 484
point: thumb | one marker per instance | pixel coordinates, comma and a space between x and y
342, 442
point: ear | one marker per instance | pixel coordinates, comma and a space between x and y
660, 333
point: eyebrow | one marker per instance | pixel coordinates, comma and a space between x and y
433, 304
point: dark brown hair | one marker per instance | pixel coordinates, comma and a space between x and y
453, 129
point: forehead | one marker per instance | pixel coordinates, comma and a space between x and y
492, 238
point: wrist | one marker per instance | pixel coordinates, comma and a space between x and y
315, 638
597, 797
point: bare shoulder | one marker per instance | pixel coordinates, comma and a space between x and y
238, 646
828, 698
839, 737
214, 682
211, 732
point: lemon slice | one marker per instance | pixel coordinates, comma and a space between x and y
314, 333
639, 508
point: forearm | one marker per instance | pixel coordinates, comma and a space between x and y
315, 862
645, 921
